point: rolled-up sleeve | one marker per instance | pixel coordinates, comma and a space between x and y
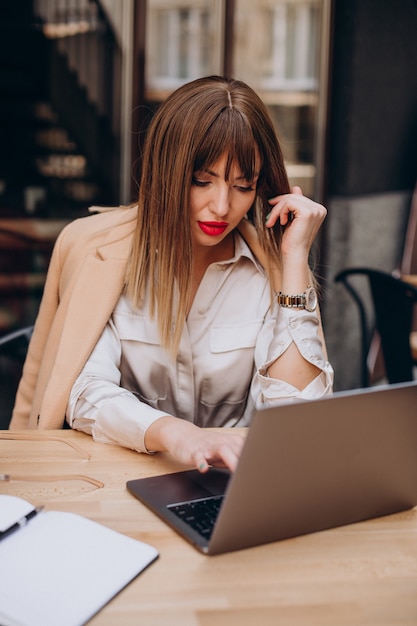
98, 405
283, 327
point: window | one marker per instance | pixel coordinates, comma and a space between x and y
290, 46
184, 41
279, 47
283, 65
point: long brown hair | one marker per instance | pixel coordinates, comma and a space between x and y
194, 127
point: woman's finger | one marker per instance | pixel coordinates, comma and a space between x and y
219, 453
202, 464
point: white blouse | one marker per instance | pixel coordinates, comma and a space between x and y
231, 336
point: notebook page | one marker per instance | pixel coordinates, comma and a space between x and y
62, 568
12, 509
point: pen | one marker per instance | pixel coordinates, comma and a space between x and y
21, 522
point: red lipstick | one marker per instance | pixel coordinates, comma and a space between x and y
213, 229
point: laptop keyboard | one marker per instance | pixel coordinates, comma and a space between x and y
199, 514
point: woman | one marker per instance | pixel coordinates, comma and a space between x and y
161, 319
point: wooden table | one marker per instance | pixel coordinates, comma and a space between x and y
363, 574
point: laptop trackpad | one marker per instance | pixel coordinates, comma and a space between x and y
180, 486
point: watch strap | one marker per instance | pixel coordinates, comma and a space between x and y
297, 301
306, 300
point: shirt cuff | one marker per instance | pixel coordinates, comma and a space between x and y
273, 392
121, 420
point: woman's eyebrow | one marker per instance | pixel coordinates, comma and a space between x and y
241, 177
210, 172
253, 177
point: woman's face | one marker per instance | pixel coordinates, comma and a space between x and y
218, 205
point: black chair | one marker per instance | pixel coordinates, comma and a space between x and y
13, 349
9, 341
392, 301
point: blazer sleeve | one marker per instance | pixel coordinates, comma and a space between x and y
47, 310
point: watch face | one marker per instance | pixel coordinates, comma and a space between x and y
311, 299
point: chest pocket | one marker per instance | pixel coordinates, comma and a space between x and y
229, 366
144, 364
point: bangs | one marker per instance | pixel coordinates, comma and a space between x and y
230, 134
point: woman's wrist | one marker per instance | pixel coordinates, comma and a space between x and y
163, 434
293, 280
157, 434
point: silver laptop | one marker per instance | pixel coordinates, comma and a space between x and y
305, 467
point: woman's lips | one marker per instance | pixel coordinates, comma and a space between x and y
213, 228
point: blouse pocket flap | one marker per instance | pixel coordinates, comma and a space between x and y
137, 328
224, 338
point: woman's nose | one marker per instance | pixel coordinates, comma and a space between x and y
220, 203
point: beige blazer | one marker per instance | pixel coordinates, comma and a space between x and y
85, 279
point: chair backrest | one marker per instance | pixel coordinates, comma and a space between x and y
13, 349
9, 341
393, 302
409, 259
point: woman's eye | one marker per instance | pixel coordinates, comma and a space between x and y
245, 188
199, 183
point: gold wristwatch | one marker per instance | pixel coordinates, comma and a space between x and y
306, 300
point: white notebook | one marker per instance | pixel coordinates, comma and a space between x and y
61, 568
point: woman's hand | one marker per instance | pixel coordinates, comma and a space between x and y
194, 446
302, 219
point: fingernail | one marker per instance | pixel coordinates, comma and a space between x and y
202, 466
268, 216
